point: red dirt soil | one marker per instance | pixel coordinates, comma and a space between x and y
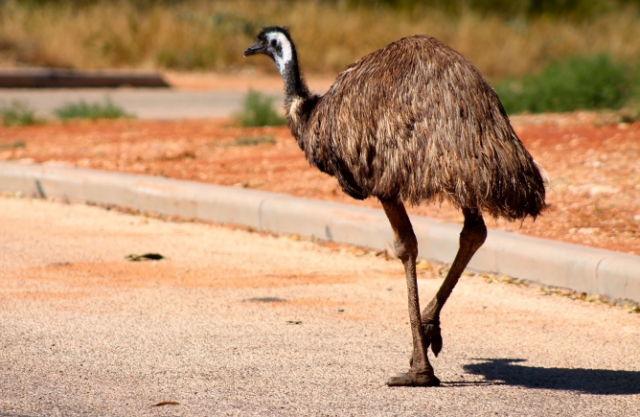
593, 165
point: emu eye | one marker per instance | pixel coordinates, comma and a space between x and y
273, 43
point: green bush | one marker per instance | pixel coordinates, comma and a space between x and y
576, 83
258, 110
18, 113
84, 110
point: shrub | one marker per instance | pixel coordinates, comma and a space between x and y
18, 113
587, 83
84, 110
258, 110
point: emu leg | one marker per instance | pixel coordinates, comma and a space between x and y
473, 235
406, 245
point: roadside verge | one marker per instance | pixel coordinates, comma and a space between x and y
593, 271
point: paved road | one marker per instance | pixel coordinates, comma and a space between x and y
144, 103
239, 323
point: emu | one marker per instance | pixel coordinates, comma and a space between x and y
414, 121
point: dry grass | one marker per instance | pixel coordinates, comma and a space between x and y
212, 35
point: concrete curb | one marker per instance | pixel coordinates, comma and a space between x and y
594, 271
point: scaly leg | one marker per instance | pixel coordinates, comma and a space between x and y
406, 245
472, 237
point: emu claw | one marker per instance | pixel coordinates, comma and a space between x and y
436, 345
432, 334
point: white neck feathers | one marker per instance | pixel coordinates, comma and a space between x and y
284, 54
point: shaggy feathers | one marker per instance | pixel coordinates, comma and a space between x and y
416, 121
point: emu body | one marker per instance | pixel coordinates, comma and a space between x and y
414, 121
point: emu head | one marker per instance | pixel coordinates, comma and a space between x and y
275, 42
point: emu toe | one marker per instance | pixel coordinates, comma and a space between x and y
414, 379
433, 335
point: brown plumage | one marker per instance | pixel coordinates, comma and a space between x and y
414, 121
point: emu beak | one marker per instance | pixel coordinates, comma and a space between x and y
256, 48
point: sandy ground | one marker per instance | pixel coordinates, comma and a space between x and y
239, 323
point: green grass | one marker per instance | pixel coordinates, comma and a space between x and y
258, 110
580, 82
18, 113
83, 110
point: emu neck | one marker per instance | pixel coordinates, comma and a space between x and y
294, 85
297, 98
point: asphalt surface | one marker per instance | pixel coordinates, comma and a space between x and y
239, 323
144, 103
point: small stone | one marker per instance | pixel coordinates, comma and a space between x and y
423, 265
603, 189
588, 231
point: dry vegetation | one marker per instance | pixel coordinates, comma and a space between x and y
194, 34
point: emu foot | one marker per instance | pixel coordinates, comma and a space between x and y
414, 379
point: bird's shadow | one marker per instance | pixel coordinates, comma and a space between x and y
588, 381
